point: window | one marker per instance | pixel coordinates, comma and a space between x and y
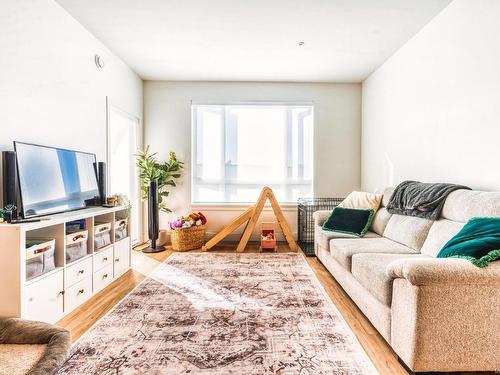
122, 172
238, 149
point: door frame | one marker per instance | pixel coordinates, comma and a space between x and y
110, 105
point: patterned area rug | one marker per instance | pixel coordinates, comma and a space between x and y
237, 314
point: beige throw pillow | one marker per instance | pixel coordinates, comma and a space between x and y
361, 199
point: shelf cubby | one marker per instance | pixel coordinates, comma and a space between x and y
88, 225
119, 216
101, 219
56, 232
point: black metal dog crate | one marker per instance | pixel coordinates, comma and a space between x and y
305, 221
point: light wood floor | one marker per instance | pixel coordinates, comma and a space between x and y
80, 320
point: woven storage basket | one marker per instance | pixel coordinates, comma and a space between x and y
184, 239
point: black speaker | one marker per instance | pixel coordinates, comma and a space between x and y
153, 220
101, 180
10, 180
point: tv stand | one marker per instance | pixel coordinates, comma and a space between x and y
22, 221
56, 293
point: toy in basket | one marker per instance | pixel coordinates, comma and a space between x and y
188, 232
268, 237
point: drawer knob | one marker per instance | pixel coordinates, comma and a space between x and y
31, 299
61, 292
104, 259
81, 271
117, 259
81, 291
105, 276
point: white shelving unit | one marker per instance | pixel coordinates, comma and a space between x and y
56, 293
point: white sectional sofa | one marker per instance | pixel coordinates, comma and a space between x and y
437, 314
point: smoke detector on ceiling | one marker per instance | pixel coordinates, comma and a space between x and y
99, 61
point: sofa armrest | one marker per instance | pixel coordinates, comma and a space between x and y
446, 326
321, 216
443, 271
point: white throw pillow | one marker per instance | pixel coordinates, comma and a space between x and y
361, 199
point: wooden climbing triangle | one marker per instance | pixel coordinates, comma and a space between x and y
250, 217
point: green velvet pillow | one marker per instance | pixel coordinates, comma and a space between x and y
353, 221
478, 241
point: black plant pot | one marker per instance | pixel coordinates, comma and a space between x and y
153, 219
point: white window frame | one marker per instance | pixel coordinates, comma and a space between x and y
237, 205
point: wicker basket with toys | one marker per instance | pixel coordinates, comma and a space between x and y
188, 232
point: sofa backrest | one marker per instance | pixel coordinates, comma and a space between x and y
382, 216
460, 207
427, 236
441, 231
408, 230
387, 196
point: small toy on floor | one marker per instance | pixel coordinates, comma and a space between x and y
267, 237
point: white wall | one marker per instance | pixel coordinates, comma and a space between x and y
51, 92
432, 111
337, 116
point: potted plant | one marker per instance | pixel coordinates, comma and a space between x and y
8, 213
156, 180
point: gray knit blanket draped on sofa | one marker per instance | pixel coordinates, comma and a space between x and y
425, 200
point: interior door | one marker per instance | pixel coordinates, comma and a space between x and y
123, 133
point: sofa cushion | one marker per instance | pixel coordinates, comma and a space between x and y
408, 230
370, 270
343, 249
387, 196
440, 233
380, 221
463, 205
323, 237
355, 221
361, 199
478, 238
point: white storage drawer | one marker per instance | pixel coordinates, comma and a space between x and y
103, 278
77, 272
122, 256
103, 258
77, 294
44, 299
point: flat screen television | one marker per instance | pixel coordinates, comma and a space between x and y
54, 180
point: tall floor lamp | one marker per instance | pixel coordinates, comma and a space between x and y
153, 219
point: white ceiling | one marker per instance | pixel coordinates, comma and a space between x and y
254, 40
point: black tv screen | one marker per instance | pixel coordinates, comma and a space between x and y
53, 180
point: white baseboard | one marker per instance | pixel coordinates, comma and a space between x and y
235, 236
